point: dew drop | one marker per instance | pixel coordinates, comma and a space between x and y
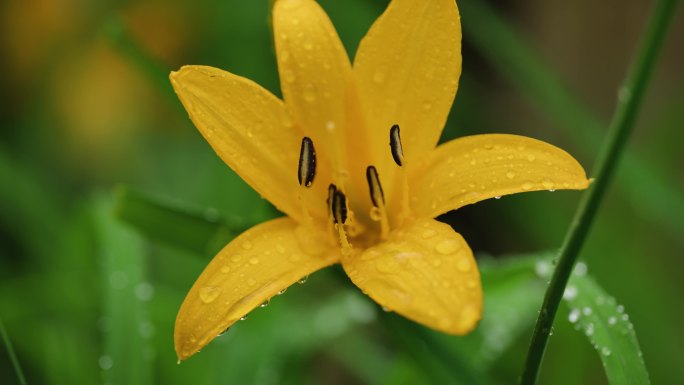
510, 175
429, 233
379, 77
531, 158
574, 315
497, 197
244, 317
586, 311
309, 93
580, 269
590, 329
280, 249
225, 269
605, 351
620, 309
289, 76
247, 245
464, 265
254, 261
386, 309
612, 320
548, 184
570, 293
427, 106
209, 293
251, 282
527, 186
447, 247
265, 303
282, 291
303, 280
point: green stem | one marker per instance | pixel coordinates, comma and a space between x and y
630, 98
12, 354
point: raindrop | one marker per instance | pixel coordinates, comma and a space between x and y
105, 362
254, 261
429, 233
527, 186
620, 309
580, 269
247, 245
280, 248
547, 184
330, 126
236, 258
244, 317
586, 311
510, 175
625, 317
427, 106
531, 158
209, 293
605, 351
265, 303
224, 331
251, 282
464, 265
303, 280
447, 247
282, 291
574, 315
386, 309
570, 293
612, 320
309, 93
497, 197
590, 329
225, 269
289, 76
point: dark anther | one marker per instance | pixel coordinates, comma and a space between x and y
339, 207
374, 186
331, 197
395, 145
307, 163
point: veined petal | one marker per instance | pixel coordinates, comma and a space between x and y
407, 68
249, 128
473, 168
425, 272
248, 271
314, 73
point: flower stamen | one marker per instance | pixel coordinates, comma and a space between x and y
339, 214
398, 156
378, 211
306, 172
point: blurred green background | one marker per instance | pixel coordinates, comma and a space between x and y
87, 298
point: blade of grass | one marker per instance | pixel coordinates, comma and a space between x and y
631, 96
517, 62
608, 328
173, 223
12, 354
127, 356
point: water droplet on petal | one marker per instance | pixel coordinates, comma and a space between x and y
254, 261
379, 77
547, 184
251, 282
497, 197
574, 315
265, 303
510, 175
527, 186
282, 291
309, 93
464, 265
570, 293
247, 245
244, 317
586, 311
612, 320
447, 246
225, 269
605, 351
303, 280
209, 293
429, 233
531, 158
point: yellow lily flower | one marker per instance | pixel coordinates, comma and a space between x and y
350, 156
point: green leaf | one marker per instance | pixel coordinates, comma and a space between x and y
200, 231
128, 356
607, 327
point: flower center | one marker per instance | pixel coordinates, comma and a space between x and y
341, 221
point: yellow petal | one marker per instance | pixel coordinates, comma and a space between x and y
248, 271
314, 72
425, 272
407, 68
474, 168
249, 129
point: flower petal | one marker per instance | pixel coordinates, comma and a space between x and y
248, 271
407, 68
249, 129
473, 168
425, 272
314, 71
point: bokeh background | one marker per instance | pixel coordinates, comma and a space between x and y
87, 117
